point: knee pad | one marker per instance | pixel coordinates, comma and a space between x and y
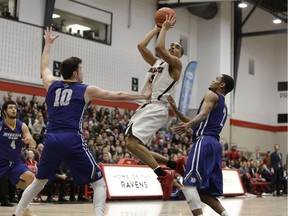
192, 197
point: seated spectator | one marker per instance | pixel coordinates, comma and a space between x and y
165, 152
34, 100
92, 147
38, 125
234, 154
243, 167
31, 162
29, 120
256, 155
224, 164
38, 152
117, 157
231, 164
243, 170
127, 155
24, 112
7, 97
106, 158
265, 173
38, 138
253, 169
35, 111
85, 131
93, 121
21, 101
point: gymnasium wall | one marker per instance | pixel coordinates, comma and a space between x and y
208, 42
257, 101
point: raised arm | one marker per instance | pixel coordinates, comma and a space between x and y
210, 101
142, 46
93, 92
27, 137
46, 74
162, 52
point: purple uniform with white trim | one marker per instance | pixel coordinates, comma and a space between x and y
204, 168
11, 144
63, 140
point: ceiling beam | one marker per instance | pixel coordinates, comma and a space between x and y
261, 33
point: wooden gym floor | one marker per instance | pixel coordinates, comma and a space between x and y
244, 206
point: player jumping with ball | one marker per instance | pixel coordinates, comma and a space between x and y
164, 75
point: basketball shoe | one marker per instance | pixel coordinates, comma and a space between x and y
167, 183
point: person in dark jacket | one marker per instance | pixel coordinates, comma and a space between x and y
276, 169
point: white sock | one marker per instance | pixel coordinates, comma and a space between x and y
99, 198
29, 193
225, 213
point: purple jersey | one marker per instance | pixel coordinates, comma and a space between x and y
10, 141
63, 141
203, 168
214, 123
66, 106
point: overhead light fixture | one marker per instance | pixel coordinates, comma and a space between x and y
76, 27
54, 16
242, 4
276, 20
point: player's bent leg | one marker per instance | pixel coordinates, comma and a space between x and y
29, 193
135, 146
214, 203
99, 198
159, 158
25, 180
193, 199
140, 151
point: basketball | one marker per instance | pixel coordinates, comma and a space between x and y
160, 15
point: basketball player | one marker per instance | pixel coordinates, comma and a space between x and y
66, 101
13, 133
153, 114
203, 174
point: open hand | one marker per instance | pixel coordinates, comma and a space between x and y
181, 128
169, 22
48, 35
